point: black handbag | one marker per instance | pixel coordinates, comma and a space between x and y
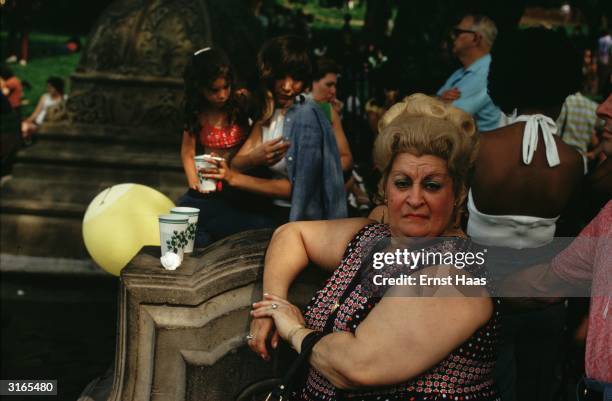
281, 389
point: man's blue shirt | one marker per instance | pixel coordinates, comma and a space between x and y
475, 99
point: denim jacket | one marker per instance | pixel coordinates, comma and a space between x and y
313, 164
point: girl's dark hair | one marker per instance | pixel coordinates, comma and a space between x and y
57, 83
206, 66
284, 56
533, 68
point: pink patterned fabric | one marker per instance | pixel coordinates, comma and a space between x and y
465, 374
589, 259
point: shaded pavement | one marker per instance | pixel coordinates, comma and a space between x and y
57, 326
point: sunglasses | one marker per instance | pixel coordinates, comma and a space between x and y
458, 31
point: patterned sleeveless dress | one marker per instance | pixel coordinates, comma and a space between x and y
465, 374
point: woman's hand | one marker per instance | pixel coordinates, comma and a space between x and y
195, 185
260, 331
269, 153
221, 172
287, 317
337, 105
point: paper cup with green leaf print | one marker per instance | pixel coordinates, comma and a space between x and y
192, 213
205, 162
173, 233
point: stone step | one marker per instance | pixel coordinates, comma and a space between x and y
43, 202
44, 236
40, 197
74, 133
108, 175
86, 153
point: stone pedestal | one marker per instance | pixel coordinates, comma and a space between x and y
182, 333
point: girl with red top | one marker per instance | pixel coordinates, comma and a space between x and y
216, 119
212, 114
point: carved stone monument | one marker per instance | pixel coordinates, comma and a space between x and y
129, 79
181, 334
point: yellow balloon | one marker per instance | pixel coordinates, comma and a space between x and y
121, 220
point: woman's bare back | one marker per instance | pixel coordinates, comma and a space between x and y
504, 185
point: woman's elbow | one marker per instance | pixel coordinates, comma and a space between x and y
367, 370
357, 375
286, 229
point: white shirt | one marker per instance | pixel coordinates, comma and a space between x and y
272, 131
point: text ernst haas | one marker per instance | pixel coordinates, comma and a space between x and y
425, 280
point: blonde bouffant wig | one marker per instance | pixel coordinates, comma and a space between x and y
424, 125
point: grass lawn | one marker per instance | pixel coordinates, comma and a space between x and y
45, 60
329, 17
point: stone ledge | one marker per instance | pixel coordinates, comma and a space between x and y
44, 265
181, 333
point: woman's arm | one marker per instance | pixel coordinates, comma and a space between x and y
410, 330
36, 111
346, 158
401, 338
294, 245
291, 248
188, 151
276, 188
242, 160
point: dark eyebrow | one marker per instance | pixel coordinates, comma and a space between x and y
436, 175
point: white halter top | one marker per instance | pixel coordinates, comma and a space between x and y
534, 123
511, 231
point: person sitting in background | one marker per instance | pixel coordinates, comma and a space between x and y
389, 343
466, 88
54, 97
524, 178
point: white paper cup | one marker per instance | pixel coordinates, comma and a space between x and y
204, 161
173, 233
192, 214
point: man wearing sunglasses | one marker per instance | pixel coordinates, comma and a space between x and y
467, 87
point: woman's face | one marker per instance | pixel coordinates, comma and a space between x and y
52, 91
420, 196
324, 90
218, 93
285, 91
